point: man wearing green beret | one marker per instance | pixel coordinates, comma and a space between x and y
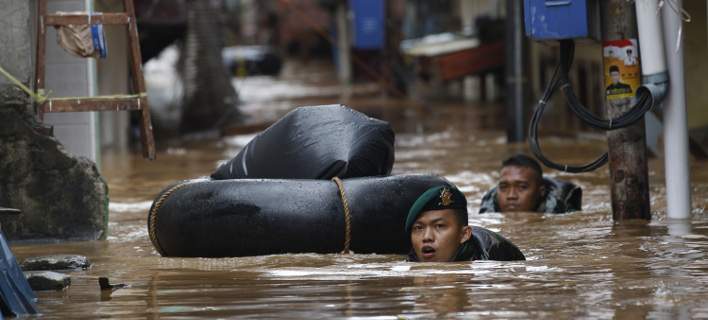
439, 231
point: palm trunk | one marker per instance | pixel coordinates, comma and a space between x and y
210, 100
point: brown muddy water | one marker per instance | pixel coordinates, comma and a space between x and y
580, 265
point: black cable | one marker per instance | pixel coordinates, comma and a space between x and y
536, 120
533, 134
560, 79
536, 148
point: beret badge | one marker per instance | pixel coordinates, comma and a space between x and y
446, 197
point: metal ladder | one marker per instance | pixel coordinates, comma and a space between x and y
132, 102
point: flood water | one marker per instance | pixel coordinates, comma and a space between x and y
580, 265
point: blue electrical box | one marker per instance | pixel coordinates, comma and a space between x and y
368, 30
562, 19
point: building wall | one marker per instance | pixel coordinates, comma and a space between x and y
16, 44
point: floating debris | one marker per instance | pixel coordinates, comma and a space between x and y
56, 262
47, 280
106, 285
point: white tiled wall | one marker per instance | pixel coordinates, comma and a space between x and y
67, 75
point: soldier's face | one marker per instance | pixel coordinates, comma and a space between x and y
519, 189
437, 234
615, 77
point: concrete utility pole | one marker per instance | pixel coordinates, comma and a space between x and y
344, 59
515, 81
627, 147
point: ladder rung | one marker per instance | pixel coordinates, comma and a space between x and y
92, 104
78, 19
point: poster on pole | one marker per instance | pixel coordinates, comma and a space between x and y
621, 69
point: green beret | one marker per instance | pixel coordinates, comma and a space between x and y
436, 198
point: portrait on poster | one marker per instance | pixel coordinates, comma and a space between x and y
622, 69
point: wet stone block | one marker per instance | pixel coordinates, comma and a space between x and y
61, 197
56, 262
47, 280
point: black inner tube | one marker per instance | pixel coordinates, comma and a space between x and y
247, 217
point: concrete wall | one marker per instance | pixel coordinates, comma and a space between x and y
12, 15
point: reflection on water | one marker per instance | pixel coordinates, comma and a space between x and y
580, 265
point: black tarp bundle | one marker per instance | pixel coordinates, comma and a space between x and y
318, 142
248, 207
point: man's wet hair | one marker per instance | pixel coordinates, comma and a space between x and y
522, 160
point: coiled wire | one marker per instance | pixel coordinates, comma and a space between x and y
560, 79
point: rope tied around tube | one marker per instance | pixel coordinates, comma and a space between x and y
152, 216
347, 216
